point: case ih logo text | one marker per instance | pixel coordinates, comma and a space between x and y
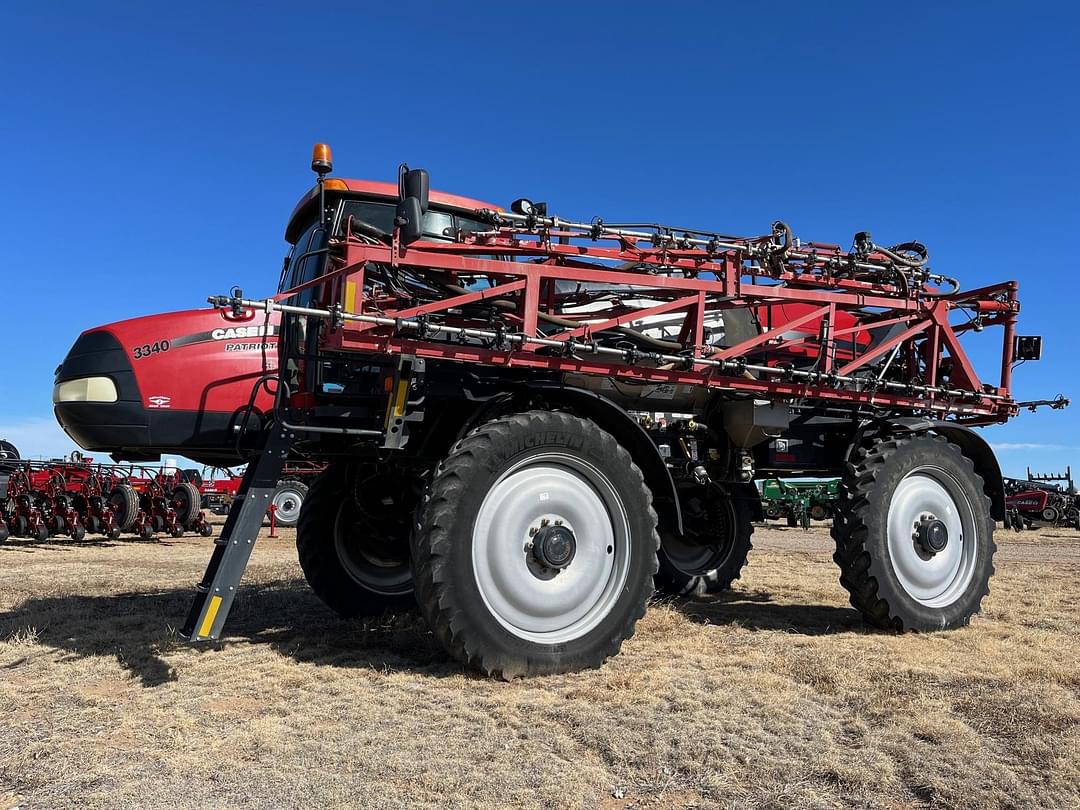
159, 401
234, 332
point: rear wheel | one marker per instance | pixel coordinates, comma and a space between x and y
354, 554
288, 499
535, 549
914, 538
713, 551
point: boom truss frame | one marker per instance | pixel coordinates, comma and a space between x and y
527, 261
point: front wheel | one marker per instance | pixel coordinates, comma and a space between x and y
352, 540
535, 548
914, 536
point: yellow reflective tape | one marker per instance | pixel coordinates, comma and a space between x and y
389, 411
395, 406
402, 393
350, 296
211, 614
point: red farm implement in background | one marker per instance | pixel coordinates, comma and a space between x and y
76, 497
1043, 500
220, 487
482, 387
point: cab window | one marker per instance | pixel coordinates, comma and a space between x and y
305, 263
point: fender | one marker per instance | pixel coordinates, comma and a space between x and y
973, 446
630, 435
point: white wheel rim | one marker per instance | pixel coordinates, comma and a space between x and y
935, 580
287, 503
529, 601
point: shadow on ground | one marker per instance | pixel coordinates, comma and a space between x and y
14, 545
141, 629
757, 610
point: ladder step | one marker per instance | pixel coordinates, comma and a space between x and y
232, 549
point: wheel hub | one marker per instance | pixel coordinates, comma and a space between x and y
931, 534
554, 546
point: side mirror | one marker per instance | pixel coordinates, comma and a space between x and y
409, 220
414, 183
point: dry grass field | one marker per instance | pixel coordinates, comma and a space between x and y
771, 696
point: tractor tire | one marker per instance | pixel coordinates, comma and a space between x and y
696, 569
914, 536
289, 498
819, 512
1050, 514
127, 500
186, 500
534, 551
353, 569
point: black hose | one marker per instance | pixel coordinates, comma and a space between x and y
896, 253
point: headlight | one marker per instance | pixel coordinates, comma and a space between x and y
87, 389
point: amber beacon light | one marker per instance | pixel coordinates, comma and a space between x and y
322, 161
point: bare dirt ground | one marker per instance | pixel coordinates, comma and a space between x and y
773, 695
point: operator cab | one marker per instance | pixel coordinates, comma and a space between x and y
365, 208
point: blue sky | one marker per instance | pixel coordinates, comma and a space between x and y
151, 153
